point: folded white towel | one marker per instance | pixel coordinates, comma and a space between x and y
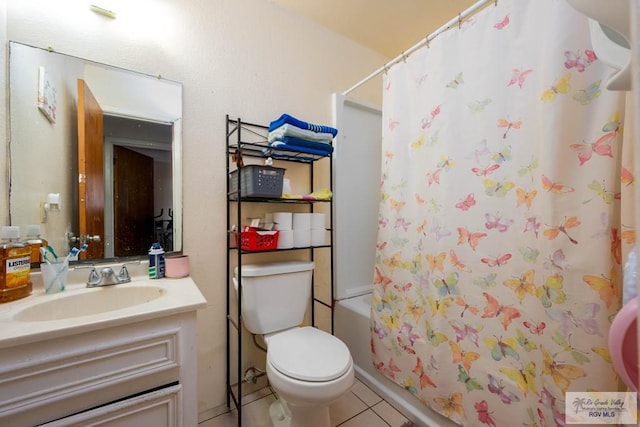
296, 132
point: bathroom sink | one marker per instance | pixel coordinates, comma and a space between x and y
89, 302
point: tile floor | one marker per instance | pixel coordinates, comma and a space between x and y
362, 407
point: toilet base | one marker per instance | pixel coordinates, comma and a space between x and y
284, 415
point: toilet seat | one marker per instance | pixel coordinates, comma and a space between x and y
308, 354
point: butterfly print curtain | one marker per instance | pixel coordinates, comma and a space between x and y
501, 225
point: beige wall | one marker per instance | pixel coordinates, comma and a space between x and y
247, 58
4, 150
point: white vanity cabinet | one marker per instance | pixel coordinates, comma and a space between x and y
143, 372
128, 374
157, 408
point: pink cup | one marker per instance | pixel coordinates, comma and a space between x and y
176, 266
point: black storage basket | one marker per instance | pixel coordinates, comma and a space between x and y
258, 181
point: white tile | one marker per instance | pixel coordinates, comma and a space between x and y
257, 413
364, 393
254, 414
367, 418
389, 414
346, 407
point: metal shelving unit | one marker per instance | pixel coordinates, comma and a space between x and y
249, 140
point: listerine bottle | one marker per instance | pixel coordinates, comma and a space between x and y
15, 265
36, 242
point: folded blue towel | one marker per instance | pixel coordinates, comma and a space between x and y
286, 118
321, 151
296, 132
301, 142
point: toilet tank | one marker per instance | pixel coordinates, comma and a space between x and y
275, 295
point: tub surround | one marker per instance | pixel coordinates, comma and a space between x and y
75, 362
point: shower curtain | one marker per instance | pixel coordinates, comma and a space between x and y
501, 221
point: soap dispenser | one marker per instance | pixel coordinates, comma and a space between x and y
15, 265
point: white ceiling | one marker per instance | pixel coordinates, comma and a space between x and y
386, 26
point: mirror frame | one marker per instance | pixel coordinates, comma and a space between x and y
122, 93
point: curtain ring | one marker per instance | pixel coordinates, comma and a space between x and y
459, 21
386, 69
404, 57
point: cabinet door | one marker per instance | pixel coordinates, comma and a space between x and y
160, 408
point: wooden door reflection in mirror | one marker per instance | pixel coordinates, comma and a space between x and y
133, 201
90, 171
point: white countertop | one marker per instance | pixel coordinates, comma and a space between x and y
178, 296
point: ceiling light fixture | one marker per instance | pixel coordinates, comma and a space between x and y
102, 11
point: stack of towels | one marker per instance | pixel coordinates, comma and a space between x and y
291, 134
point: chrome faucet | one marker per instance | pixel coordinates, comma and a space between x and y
108, 277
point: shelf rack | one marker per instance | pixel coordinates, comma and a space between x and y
249, 140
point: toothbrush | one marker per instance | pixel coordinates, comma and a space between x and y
53, 252
44, 253
73, 252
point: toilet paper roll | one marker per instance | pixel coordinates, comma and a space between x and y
318, 237
301, 238
282, 220
286, 186
285, 239
318, 221
301, 221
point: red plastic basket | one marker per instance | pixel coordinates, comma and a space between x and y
257, 240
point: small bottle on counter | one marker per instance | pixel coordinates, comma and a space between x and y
156, 261
15, 265
36, 242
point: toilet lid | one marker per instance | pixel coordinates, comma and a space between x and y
308, 354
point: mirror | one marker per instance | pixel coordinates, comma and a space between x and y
104, 144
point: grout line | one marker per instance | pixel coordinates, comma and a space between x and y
370, 389
355, 415
362, 412
368, 408
378, 415
366, 404
248, 402
383, 420
244, 403
376, 412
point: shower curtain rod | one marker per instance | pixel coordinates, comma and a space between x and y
425, 41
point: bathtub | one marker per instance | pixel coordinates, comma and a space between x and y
351, 323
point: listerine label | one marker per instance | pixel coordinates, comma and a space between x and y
17, 271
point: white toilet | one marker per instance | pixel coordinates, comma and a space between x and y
308, 368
